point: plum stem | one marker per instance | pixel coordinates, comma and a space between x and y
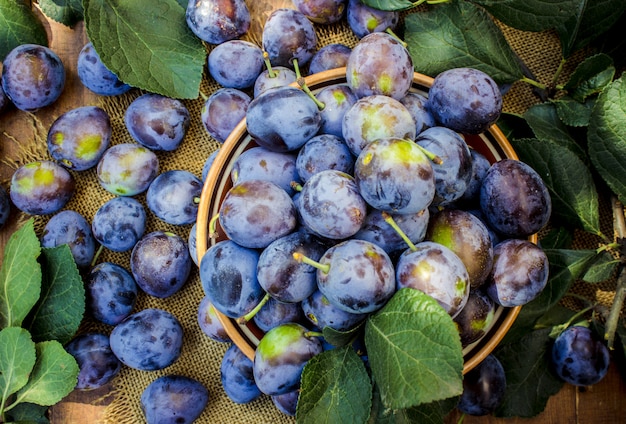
213, 226
250, 315
302, 83
389, 220
270, 71
534, 83
325, 268
558, 329
434, 158
97, 255
394, 35
310, 334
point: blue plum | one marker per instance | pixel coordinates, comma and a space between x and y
173, 196
235, 64
337, 100
148, 340
78, 138
209, 322
364, 20
274, 313
416, 104
96, 76
33, 77
237, 376
483, 388
275, 76
287, 402
579, 356
322, 313
111, 293
96, 362
160, 263
322, 152
71, 228
330, 56
223, 111
287, 35
259, 163
5, 206
174, 399
41, 187
321, 12
157, 122
119, 223
476, 317
217, 21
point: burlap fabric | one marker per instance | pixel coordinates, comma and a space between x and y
201, 356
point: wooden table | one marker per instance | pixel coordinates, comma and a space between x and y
600, 404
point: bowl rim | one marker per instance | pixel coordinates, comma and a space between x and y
485, 345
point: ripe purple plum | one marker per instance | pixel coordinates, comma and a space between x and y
322, 152
476, 317
321, 12
41, 187
174, 399
364, 20
33, 77
71, 228
217, 21
237, 376
119, 223
223, 110
274, 313
337, 100
380, 64
160, 263
330, 56
287, 35
111, 293
96, 362
579, 356
483, 388
157, 122
78, 138
96, 76
416, 104
259, 163
148, 340
320, 312
235, 64
174, 195
209, 322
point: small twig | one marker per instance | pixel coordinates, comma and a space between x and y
619, 223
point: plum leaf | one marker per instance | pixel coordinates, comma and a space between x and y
19, 25
20, 276
149, 47
335, 388
414, 338
530, 15
66, 12
17, 359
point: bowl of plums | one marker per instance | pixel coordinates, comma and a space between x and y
374, 211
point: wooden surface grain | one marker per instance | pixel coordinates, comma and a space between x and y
603, 403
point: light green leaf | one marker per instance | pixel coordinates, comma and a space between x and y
607, 137
460, 34
55, 375
19, 25
569, 181
147, 45
341, 338
17, 358
547, 126
392, 5
590, 77
529, 379
67, 12
60, 309
414, 351
602, 268
20, 276
530, 15
335, 388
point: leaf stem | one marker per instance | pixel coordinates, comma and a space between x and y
616, 308
557, 329
558, 72
534, 83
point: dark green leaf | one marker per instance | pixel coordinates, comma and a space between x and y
590, 19
529, 381
572, 112
558, 315
19, 25
147, 47
60, 309
429, 413
17, 359
590, 77
565, 267
557, 238
620, 347
460, 34
530, 15
601, 269
607, 137
67, 12
54, 376
340, 338
29, 413
412, 336
20, 276
389, 4
547, 126
571, 185
335, 388
183, 3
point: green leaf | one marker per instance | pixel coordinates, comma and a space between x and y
572, 112
529, 381
55, 375
341, 338
460, 34
17, 359
514, 126
570, 183
29, 413
589, 19
428, 413
19, 25
590, 77
20, 276
607, 137
557, 238
60, 309
530, 15
414, 351
335, 388
393, 5
66, 12
547, 126
147, 45
601, 269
